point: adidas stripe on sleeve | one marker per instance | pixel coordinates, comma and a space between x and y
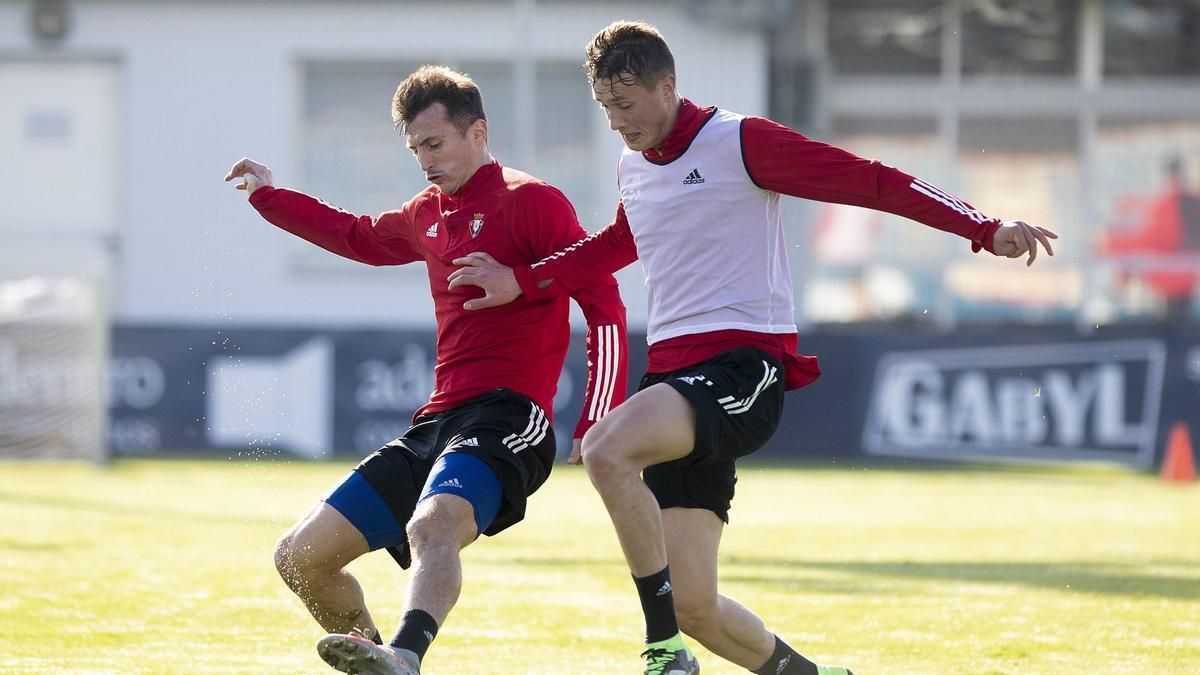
780, 159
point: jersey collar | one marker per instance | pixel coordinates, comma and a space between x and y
474, 185
689, 122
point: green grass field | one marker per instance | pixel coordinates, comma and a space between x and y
165, 567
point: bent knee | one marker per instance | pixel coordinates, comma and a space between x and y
421, 532
288, 561
299, 565
446, 530
603, 458
695, 615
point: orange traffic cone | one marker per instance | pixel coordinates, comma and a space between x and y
1178, 462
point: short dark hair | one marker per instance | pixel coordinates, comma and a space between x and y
438, 84
626, 49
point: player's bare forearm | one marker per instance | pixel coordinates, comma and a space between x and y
498, 282
1016, 238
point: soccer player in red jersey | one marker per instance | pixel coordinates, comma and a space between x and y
699, 206
483, 443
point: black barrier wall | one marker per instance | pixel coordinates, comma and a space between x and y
1014, 394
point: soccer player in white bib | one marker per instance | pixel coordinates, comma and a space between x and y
699, 206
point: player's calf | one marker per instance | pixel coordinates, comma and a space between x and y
311, 558
461, 497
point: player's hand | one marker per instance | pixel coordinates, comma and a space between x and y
253, 174
498, 282
576, 452
1016, 238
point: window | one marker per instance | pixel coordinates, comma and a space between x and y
1020, 37
1152, 38
495, 80
351, 155
870, 265
910, 144
564, 154
1035, 158
1023, 168
885, 37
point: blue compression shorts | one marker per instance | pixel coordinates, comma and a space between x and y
469, 477
453, 473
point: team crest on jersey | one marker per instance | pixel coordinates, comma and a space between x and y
476, 225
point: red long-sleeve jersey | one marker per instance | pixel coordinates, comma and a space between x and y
518, 220
776, 159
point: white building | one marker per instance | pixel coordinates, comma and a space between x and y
115, 137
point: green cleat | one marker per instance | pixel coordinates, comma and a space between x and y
670, 657
833, 670
356, 654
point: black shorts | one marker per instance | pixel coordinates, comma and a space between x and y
738, 399
506, 430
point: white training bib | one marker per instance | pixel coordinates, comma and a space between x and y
710, 240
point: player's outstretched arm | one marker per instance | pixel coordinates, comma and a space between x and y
1016, 238
375, 241
253, 175
780, 159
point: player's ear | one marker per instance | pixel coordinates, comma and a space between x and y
478, 131
666, 87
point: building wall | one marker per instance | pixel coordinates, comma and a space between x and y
1062, 114
201, 84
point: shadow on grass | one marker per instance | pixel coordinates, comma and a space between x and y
868, 464
1117, 579
31, 547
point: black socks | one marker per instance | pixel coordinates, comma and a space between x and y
417, 630
786, 661
658, 605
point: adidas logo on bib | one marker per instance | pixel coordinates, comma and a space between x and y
693, 178
453, 482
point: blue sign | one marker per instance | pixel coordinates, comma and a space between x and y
1021, 394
